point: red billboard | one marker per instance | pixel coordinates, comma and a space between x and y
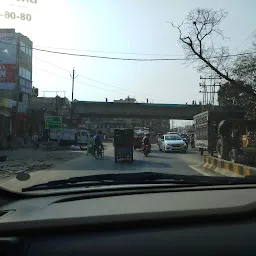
7, 76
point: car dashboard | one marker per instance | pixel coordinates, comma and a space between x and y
204, 221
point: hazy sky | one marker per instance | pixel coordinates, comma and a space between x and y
116, 28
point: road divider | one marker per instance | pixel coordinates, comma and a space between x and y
226, 168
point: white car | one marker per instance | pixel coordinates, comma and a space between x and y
172, 143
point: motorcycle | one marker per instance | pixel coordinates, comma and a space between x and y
186, 141
146, 150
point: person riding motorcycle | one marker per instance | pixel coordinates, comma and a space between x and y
145, 141
97, 141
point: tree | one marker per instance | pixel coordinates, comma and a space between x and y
196, 33
244, 67
238, 94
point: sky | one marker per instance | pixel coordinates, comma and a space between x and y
120, 28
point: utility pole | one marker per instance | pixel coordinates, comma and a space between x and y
73, 83
209, 95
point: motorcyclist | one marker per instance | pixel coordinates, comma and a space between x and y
145, 141
97, 141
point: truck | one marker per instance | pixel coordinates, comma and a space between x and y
237, 141
206, 127
69, 136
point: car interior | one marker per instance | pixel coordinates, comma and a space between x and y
147, 219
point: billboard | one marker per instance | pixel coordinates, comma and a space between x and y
25, 85
7, 76
8, 48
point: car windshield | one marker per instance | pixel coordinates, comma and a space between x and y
83, 82
173, 137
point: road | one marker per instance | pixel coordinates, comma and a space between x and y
175, 163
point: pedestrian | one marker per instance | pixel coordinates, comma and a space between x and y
35, 141
9, 141
89, 145
76, 136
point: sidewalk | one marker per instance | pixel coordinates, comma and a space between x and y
27, 159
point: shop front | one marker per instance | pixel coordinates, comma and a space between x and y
6, 116
19, 124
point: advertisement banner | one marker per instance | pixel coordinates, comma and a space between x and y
25, 85
7, 76
8, 48
2, 102
7, 103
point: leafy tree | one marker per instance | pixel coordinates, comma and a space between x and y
238, 94
244, 67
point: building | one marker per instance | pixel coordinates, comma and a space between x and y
15, 81
126, 100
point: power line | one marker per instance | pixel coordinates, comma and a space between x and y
69, 79
111, 52
94, 80
129, 59
43, 70
251, 34
133, 59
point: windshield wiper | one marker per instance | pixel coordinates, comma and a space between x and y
138, 178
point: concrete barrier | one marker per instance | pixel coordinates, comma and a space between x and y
227, 168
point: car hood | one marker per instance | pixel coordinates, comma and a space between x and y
171, 142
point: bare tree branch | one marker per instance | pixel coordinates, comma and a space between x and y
201, 26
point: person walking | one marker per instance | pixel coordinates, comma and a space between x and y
89, 145
35, 141
9, 141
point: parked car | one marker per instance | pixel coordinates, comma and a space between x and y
172, 143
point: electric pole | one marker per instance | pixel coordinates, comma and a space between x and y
209, 91
73, 83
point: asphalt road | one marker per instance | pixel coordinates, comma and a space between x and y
175, 163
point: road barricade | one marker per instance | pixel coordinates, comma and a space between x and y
227, 168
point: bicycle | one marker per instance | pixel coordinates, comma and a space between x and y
98, 152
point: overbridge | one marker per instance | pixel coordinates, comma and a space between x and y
135, 110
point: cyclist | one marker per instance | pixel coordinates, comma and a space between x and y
97, 141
